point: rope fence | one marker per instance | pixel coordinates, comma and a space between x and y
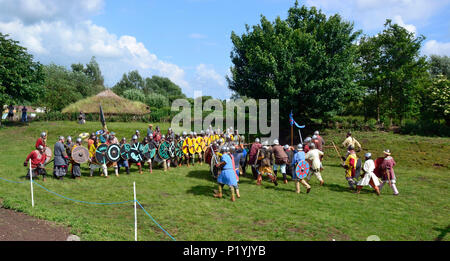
97, 203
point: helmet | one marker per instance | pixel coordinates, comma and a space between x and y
286, 147
150, 135
184, 133
307, 139
351, 147
134, 137
257, 140
195, 133
276, 142
191, 133
312, 146
79, 140
163, 136
112, 133
368, 155
202, 132
224, 149
40, 147
61, 137
43, 134
314, 137
299, 147
124, 139
137, 132
69, 138
316, 133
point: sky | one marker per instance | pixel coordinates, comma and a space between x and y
188, 41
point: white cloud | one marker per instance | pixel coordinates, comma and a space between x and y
435, 47
411, 28
372, 14
35, 11
210, 83
53, 38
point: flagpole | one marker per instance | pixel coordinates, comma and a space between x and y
292, 135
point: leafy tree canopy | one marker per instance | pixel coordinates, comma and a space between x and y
21, 78
306, 61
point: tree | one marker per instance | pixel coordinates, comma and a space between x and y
21, 78
134, 95
163, 86
132, 80
306, 61
439, 65
62, 87
394, 71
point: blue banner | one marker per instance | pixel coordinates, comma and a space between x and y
292, 121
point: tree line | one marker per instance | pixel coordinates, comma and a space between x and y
321, 67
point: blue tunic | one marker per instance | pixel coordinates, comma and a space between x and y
227, 176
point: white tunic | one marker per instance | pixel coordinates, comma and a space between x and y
369, 167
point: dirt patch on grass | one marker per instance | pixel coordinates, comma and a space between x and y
17, 226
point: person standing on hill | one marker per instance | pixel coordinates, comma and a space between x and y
314, 156
350, 166
256, 146
76, 168
24, 114
38, 158
10, 112
299, 156
321, 140
228, 175
281, 159
350, 140
369, 177
387, 167
42, 140
61, 159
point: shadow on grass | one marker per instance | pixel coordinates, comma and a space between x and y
336, 187
200, 174
444, 232
201, 190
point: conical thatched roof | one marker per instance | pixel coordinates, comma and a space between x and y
111, 104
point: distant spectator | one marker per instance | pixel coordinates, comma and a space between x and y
10, 112
82, 118
24, 114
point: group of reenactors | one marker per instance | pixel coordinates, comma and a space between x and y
225, 151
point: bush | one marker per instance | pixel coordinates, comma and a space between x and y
156, 100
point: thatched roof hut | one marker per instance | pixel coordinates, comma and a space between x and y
112, 104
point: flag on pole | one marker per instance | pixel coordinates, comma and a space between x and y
102, 117
292, 121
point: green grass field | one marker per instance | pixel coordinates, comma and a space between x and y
181, 200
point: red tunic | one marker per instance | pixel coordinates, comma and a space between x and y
253, 151
40, 142
36, 158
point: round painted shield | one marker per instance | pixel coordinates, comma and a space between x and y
125, 151
302, 169
191, 145
80, 154
172, 149
136, 156
185, 146
113, 153
100, 153
200, 145
152, 149
179, 149
83, 135
163, 150
49, 154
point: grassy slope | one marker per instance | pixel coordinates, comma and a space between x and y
181, 200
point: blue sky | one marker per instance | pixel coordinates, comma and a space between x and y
187, 41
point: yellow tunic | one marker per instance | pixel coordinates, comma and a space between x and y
348, 171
